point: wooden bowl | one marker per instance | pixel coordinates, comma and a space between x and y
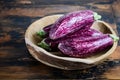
58, 60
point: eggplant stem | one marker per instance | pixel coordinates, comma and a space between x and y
115, 38
41, 33
44, 45
96, 16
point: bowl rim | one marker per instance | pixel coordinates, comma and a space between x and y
83, 60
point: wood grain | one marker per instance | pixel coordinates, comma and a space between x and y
17, 15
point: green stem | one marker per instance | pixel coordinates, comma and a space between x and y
44, 45
115, 38
96, 16
41, 33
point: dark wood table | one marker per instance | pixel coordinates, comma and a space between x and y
17, 15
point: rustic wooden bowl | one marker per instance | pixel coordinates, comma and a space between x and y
58, 60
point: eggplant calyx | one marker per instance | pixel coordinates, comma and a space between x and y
41, 33
115, 38
44, 45
96, 16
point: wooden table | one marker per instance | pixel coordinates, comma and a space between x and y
17, 15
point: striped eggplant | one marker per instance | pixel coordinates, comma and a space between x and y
86, 46
50, 44
72, 22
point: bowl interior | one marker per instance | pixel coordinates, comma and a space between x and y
98, 25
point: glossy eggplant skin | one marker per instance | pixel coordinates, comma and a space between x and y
52, 43
83, 33
85, 46
70, 23
47, 28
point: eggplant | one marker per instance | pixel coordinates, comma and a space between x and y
72, 22
85, 46
83, 33
44, 32
51, 45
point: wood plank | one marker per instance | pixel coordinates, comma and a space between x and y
113, 73
50, 8
19, 72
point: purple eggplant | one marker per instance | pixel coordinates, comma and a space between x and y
83, 33
50, 44
72, 22
85, 46
45, 31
